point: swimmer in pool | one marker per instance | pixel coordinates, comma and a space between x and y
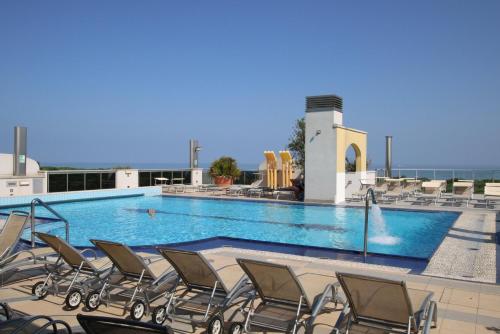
151, 213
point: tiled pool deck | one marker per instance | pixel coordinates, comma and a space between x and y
463, 307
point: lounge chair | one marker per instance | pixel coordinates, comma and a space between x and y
284, 297
134, 281
5, 312
361, 192
207, 187
82, 273
107, 325
462, 191
384, 305
206, 295
34, 324
411, 187
431, 191
394, 190
9, 237
380, 187
491, 193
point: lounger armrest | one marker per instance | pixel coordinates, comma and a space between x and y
431, 315
13, 256
89, 250
167, 277
152, 258
330, 293
242, 286
53, 324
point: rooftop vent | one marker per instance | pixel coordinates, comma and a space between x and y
325, 102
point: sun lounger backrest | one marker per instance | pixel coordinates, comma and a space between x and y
194, 269
492, 189
108, 325
11, 232
431, 187
70, 255
462, 188
274, 282
376, 299
125, 259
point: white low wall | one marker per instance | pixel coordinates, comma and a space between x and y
127, 178
196, 176
80, 195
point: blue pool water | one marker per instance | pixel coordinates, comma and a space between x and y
407, 233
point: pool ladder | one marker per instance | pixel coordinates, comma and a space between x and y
54, 212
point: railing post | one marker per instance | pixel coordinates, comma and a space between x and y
32, 221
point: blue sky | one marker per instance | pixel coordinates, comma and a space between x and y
132, 81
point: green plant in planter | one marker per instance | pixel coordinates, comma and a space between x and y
225, 167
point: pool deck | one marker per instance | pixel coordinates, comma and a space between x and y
463, 307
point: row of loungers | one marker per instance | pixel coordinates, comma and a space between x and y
254, 190
268, 296
395, 190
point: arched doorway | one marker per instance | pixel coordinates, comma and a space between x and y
353, 159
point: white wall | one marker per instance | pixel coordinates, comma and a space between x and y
127, 178
196, 176
320, 176
7, 165
19, 186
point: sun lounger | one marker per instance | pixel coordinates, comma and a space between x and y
206, 293
380, 187
361, 192
394, 190
135, 281
411, 187
5, 312
384, 305
285, 299
462, 191
107, 325
491, 193
34, 324
9, 237
71, 267
431, 191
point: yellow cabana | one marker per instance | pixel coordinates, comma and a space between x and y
286, 168
272, 169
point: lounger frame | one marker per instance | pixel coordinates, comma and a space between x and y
80, 275
353, 317
135, 287
300, 306
220, 298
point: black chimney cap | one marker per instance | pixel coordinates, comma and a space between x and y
323, 102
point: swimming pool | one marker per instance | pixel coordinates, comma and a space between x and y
405, 233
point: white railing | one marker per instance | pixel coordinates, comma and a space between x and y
444, 174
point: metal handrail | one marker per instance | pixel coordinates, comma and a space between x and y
369, 193
36, 201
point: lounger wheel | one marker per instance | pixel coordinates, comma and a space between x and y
93, 300
159, 315
73, 299
137, 310
216, 325
39, 290
236, 328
